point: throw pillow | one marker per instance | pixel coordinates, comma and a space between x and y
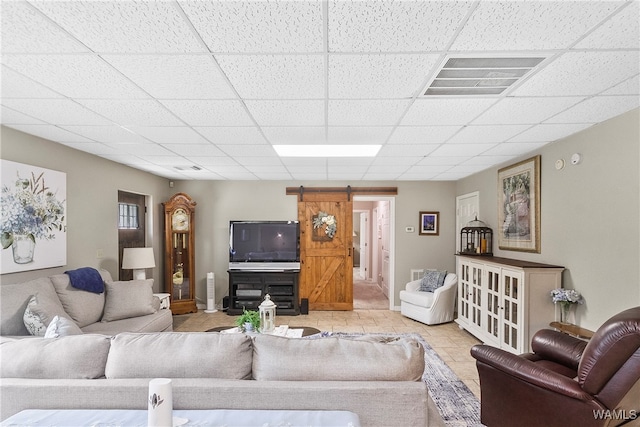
32, 321
84, 308
432, 280
128, 299
61, 327
86, 278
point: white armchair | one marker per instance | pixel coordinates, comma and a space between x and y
431, 308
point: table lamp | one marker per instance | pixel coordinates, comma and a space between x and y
137, 259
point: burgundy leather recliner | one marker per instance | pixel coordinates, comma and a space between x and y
565, 381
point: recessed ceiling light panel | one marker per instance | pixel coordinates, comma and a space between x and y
325, 150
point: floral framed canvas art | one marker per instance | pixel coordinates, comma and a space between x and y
34, 229
429, 224
519, 206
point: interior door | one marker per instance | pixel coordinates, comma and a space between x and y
326, 270
131, 226
467, 209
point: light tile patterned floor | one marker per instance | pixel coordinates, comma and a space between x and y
450, 342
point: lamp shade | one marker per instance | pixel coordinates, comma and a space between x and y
137, 259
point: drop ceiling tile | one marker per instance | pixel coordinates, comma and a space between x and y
194, 149
297, 170
449, 176
258, 26
422, 134
486, 133
359, 163
358, 134
260, 160
174, 76
238, 176
466, 169
95, 148
530, 25
210, 112
489, 160
378, 75
50, 132
57, 111
341, 176
12, 117
128, 26
442, 111
67, 75
406, 150
366, 113
549, 132
273, 176
599, 109
287, 113
444, 161
381, 176
525, 110
581, 73
275, 76
128, 159
426, 170
267, 169
169, 134
231, 135
360, 26
390, 161
295, 135
309, 176
145, 150
460, 150
304, 162
248, 150
170, 160
214, 162
628, 87
619, 32
15, 85
134, 112
107, 134
513, 148
25, 30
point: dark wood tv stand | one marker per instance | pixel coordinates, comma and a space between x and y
248, 288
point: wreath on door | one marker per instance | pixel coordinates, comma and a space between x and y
326, 221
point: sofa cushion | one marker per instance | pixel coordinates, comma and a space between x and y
83, 307
336, 359
61, 327
180, 355
40, 311
74, 357
127, 299
432, 280
14, 299
421, 299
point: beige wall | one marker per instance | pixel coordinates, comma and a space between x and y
590, 215
92, 202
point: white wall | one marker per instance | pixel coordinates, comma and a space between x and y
590, 215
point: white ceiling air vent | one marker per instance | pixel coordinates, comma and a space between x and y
480, 76
188, 168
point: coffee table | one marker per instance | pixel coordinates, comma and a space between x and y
306, 330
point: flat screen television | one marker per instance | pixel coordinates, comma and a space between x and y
264, 245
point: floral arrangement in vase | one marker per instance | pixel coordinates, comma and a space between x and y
30, 211
566, 298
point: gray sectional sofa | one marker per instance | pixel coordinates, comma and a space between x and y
381, 382
123, 307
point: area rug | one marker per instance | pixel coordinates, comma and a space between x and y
457, 405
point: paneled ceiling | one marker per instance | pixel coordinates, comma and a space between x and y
205, 89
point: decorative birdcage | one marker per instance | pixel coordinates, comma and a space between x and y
476, 238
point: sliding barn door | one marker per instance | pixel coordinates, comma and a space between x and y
326, 271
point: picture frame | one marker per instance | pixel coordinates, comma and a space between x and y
519, 206
429, 224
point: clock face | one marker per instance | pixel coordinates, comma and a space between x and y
180, 220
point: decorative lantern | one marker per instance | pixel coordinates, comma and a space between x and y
476, 239
267, 315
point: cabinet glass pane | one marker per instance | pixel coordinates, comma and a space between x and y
507, 286
514, 312
515, 288
180, 269
506, 310
514, 337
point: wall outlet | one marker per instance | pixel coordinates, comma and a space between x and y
409, 229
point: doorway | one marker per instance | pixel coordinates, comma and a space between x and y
373, 288
132, 226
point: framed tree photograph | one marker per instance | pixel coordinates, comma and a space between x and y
519, 206
429, 223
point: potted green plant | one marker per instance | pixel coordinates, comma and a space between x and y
249, 321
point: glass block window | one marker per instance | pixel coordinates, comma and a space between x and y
128, 216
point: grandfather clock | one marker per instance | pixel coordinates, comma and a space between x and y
179, 249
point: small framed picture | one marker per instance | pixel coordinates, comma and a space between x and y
429, 223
